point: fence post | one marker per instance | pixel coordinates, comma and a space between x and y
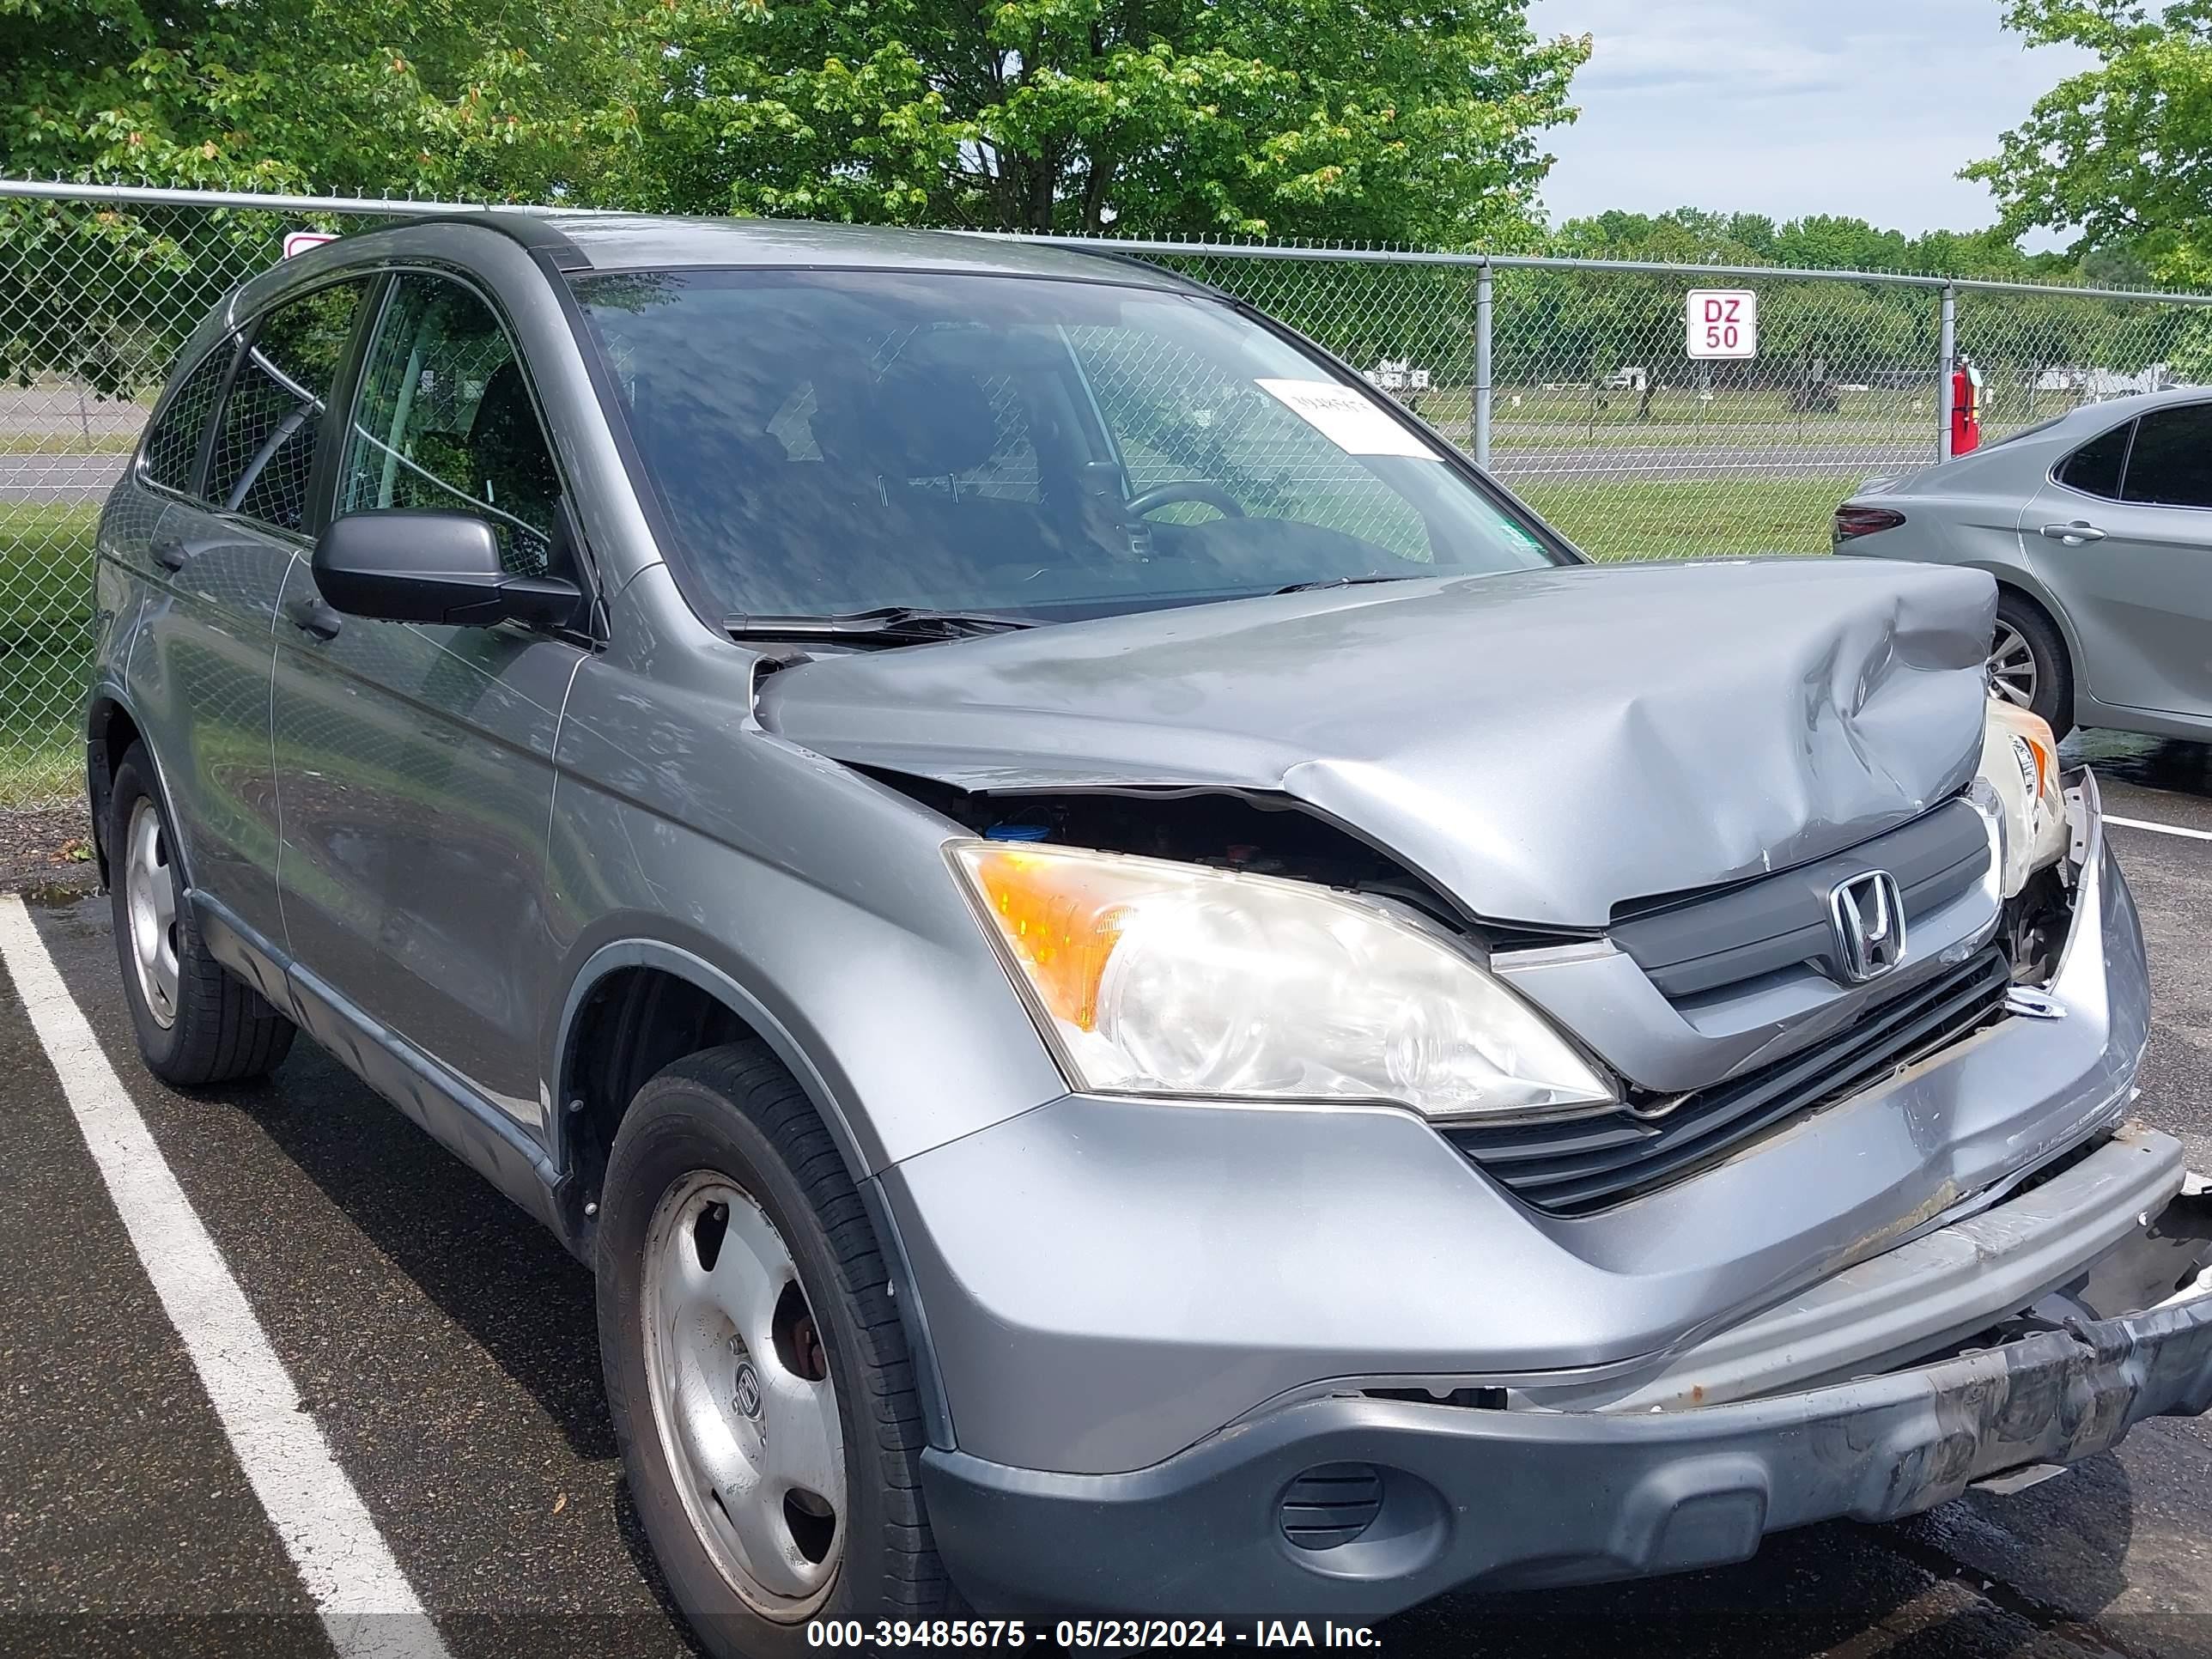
1950, 352
1480, 420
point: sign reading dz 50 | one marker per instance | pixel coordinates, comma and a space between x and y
1723, 322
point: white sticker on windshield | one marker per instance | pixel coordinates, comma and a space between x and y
1349, 421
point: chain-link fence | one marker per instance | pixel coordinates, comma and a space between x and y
1571, 379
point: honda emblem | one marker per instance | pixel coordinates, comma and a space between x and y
1867, 915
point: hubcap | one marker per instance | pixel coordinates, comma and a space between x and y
2012, 667
150, 894
742, 1396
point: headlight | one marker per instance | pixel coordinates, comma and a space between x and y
1155, 977
2017, 786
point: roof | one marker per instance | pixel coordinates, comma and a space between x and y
2113, 410
629, 241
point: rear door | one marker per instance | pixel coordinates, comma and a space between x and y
2123, 534
237, 516
414, 762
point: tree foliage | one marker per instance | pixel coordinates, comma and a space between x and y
452, 97
1314, 118
2119, 153
1325, 118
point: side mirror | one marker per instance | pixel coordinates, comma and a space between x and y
398, 564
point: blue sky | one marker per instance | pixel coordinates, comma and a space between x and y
1792, 106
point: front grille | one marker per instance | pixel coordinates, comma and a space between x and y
1584, 1164
1699, 945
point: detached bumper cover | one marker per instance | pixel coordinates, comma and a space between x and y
1506, 1500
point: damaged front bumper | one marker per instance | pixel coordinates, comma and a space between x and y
1969, 1268
1458, 1497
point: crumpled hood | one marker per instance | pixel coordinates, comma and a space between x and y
1543, 744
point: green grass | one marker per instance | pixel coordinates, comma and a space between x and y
1678, 519
39, 772
72, 440
45, 599
45, 567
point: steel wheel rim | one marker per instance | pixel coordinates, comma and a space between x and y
741, 1398
2012, 672
149, 897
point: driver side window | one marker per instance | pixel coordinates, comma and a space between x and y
444, 419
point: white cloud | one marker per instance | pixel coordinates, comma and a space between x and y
1791, 108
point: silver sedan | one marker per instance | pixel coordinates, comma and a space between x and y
2098, 527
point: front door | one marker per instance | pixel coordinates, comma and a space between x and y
2124, 538
414, 762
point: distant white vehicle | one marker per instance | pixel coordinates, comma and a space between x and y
2096, 385
1628, 380
1400, 374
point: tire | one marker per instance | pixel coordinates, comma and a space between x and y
728, 1128
196, 1024
2028, 664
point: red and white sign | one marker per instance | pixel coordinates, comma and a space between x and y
1723, 322
299, 242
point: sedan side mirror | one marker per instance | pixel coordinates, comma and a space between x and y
398, 564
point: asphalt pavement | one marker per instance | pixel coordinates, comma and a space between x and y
443, 1347
58, 480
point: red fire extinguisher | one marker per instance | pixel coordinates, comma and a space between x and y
1966, 409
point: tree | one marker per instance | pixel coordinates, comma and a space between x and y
2119, 153
1328, 117
1284, 117
457, 97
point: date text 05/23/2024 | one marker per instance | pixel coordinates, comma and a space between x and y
852, 1633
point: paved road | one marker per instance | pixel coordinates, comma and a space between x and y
444, 1347
43, 480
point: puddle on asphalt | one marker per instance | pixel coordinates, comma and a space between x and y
2148, 762
53, 896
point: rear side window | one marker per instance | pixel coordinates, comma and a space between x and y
173, 445
2095, 468
264, 450
2171, 464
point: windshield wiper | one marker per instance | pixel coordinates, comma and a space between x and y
1339, 581
891, 624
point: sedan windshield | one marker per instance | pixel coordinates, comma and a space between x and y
825, 443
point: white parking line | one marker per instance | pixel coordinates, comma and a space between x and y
367, 1606
2159, 829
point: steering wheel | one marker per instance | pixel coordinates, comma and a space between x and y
1184, 489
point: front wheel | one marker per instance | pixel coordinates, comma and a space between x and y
756, 1372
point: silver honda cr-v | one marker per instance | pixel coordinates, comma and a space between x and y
1144, 994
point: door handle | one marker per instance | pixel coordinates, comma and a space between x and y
2074, 534
170, 553
313, 617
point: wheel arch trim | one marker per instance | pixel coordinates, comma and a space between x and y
2025, 583
2016, 580
618, 955
106, 697
695, 970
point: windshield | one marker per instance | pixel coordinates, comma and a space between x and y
831, 442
